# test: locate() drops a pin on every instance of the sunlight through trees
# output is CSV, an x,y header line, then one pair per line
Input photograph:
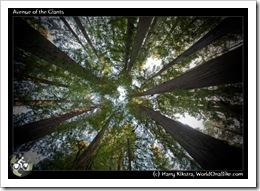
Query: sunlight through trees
x,y
108,92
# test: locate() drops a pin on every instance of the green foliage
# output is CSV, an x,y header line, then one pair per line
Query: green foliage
x,y
60,161
151,148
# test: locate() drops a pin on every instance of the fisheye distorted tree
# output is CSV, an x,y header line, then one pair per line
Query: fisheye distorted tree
x,y
118,85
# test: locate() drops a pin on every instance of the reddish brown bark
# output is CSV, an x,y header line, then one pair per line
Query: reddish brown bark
x,y
85,34
38,129
208,152
84,161
227,25
151,30
37,102
27,38
38,80
142,29
225,69
129,36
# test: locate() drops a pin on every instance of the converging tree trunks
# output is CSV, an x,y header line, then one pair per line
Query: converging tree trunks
x,y
225,69
210,153
38,129
129,93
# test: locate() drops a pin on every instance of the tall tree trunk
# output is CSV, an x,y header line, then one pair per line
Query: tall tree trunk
x,y
225,69
227,25
27,38
80,148
37,80
71,30
129,154
38,102
143,26
208,152
85,34
44,102
152,27
174,148
129,36
84,161
33,65
121,159
38,129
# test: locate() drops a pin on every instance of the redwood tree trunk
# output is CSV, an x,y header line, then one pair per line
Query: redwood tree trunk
x,y
38,102
227,25
71,30
121,159
208,152
84,161
85,34
225,69
129,154
151,30
29,39
129,36
142,29
38,129
35,79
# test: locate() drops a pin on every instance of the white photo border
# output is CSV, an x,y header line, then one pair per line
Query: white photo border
x,y
250,182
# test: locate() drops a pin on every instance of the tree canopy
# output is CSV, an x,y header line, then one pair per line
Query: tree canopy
x,y
108,92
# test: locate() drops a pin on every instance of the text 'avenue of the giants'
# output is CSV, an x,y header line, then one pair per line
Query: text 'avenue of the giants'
x,y
38,12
